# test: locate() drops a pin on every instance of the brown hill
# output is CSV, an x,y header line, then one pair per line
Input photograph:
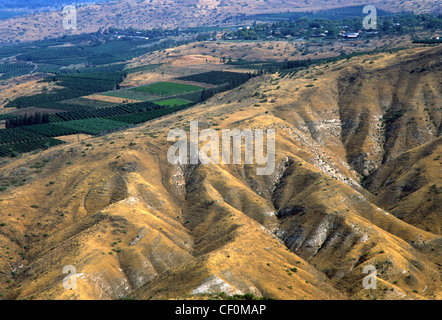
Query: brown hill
x,y
409,187
134,225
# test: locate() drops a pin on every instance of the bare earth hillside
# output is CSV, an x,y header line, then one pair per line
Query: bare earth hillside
x,y
357,182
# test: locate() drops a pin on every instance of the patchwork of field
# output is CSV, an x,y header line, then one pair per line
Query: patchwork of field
x,y
33,110
130,95
172,102
105,111
167,89
152,92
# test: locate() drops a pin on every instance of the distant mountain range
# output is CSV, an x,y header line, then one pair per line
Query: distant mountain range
x,y
168,14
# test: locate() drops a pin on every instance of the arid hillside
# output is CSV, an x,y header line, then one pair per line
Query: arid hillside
x,y
182,13
357,182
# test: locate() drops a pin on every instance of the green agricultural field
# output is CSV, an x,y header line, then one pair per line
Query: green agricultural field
x,y
93,125
172,102
90,103
50,129
134,95
14,149
167,88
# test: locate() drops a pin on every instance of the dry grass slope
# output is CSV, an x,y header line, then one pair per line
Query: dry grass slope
x,y
135,226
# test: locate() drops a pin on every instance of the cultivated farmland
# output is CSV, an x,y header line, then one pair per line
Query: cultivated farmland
x,y
167,88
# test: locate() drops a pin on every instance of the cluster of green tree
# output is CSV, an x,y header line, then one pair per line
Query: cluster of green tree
x,y
297,64
6,116
94,126
14,149
140,117
330,28
52,54
74,86
10,70
208,93
25,47
219,77
225,80
129,108
56,70
14,141
133,32
97,51
41,99
35,135
17,135
17,140
404,23
22,131
156,33
82,113
428,41
51,129
27,120
194,96
12,50
94,51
